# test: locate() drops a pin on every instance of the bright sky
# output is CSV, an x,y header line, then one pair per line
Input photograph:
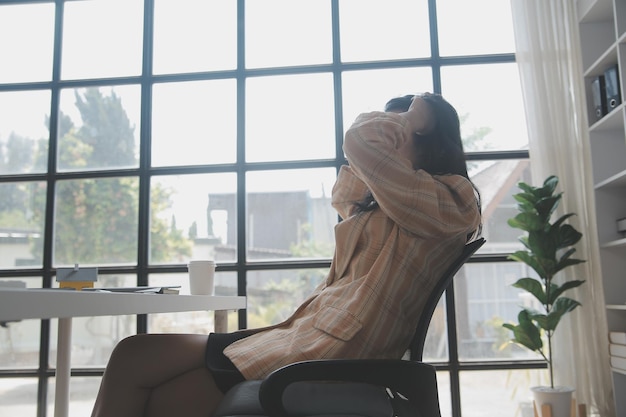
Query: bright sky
x,y
102,38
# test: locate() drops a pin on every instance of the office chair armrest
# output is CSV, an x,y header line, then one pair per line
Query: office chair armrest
x,y
415,381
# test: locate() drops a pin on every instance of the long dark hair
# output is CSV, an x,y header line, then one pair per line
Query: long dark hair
x,y
440,152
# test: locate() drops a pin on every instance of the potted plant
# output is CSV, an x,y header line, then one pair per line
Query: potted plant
x,y
548,251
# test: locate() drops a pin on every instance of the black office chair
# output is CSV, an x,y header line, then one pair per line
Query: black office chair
x,y
350,388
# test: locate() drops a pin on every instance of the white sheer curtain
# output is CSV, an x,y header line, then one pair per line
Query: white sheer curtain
x,y
548,54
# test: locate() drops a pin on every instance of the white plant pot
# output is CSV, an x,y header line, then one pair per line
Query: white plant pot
x,y
559,398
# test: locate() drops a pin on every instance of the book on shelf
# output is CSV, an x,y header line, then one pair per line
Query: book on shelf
x,y
617,350
618,363
617,337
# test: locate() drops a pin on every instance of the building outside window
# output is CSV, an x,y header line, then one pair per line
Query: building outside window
x,y
136,135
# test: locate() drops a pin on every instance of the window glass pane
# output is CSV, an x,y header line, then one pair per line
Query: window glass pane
x,y
274,295
194,123
83,395
95,221
99,128
27,33
286,33
290,117
369,31
208,31
102,38
289,214
489,101
18,397
22,223
93,338
193,217
474,27
19,340
485,298
499,393
443,388
365,91
497,182
436,344
24,131
201,322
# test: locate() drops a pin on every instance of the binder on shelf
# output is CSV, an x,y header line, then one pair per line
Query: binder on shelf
x,y
611,87
598,94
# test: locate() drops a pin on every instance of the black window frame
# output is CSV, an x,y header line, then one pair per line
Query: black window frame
x,y
144,172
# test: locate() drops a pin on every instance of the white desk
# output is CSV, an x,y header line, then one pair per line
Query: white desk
x,y
20,304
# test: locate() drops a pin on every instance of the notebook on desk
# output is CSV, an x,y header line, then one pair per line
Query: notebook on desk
x,y
171,289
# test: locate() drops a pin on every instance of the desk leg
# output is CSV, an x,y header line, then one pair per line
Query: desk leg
x,y
220,321
62,384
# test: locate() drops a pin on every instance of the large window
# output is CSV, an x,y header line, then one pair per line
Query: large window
x,y
136,135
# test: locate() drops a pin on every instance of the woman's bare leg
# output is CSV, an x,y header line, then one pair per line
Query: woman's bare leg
x,y
154,375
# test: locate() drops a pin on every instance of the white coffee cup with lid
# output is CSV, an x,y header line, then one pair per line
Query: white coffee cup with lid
x,y
201,277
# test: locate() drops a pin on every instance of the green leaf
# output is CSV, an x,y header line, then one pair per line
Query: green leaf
x,y
549,185
568,236
532,286
524,240
530,260
561,307
561,219
525,198
556,291
525,333
526,202
526,187
542,245
568,253
541,320
526,221
546,206
567,262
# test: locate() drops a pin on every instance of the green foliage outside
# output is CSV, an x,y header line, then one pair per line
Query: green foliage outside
x,y
96,219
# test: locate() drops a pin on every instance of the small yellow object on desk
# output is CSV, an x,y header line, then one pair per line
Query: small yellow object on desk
x,y
76,285
77,278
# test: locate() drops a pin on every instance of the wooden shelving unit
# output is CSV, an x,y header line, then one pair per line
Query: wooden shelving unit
x,y
602,25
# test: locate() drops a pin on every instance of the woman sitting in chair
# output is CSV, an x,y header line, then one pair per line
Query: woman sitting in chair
x,y
408,207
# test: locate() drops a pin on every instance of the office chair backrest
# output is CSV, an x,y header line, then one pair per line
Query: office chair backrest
x,y
416,347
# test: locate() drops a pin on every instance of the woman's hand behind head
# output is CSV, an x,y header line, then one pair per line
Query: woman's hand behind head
x,y
420,116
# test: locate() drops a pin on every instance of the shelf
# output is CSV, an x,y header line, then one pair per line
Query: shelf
x,y
616,181
610,121
614,243
619,371
602,25
607,59
595,11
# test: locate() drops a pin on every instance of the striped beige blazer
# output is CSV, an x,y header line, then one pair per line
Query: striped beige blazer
x,y
385,261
